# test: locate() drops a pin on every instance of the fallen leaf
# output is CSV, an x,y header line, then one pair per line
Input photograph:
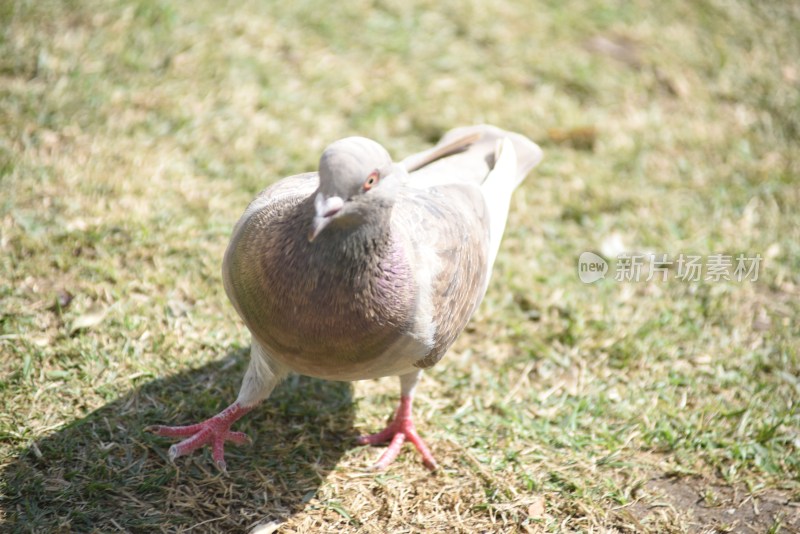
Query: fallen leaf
x,y
88,320
536,508
580,138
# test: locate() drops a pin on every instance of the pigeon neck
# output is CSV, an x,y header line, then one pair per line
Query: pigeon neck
x,y
361,251
362,236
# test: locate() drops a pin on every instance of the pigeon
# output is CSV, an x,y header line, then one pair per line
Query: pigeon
x,y
364,269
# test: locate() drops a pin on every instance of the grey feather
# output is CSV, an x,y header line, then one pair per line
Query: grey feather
x,y
338,279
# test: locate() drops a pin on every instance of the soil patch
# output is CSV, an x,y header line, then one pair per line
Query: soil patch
x,y
673,504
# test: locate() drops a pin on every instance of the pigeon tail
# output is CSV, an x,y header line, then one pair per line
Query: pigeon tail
x,y
497,190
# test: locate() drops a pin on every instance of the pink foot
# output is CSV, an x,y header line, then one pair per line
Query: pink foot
x,y
214,432
398,431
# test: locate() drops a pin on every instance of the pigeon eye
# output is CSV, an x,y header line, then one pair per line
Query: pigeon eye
x,y
371,180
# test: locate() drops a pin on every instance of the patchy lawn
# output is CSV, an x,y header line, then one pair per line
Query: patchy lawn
x,y
133,134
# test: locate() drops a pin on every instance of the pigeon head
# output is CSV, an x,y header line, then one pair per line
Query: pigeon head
x,y
356,179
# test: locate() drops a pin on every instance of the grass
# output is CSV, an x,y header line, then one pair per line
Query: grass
x,y
133,134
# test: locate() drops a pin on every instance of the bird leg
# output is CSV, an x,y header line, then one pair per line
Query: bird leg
x,y
262,375
214,432
400,429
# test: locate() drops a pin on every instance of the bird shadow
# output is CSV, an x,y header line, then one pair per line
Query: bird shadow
x,y
104,473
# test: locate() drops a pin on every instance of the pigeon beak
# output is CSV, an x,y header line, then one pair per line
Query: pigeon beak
x,y
326,209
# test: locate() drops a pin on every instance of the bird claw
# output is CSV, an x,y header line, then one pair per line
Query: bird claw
x,y
398,432
214,432
206,435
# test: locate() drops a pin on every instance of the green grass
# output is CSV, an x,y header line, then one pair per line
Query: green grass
x,y
133,134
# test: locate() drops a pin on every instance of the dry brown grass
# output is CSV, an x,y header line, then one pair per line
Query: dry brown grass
x,y
132,135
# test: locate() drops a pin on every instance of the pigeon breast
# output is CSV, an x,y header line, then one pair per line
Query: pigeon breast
x,y
325,308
